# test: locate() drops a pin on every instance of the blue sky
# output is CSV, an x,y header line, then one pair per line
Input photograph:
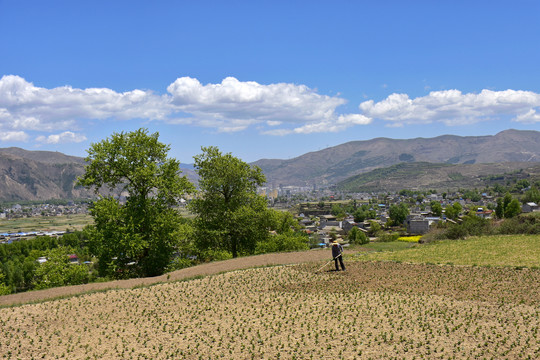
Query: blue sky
x,y
264,79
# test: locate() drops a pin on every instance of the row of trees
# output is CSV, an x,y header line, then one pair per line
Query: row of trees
x,y
142,236
145,235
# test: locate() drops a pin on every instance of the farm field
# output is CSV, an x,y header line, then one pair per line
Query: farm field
x,y
45,223
501,250
376,309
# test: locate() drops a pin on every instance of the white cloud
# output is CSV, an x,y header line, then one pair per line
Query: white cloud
x,y
453,108
250,103
340,123
14,136
529,118
63,138
27,107
231,105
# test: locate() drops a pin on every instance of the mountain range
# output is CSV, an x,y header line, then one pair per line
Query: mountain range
x,y
380,164
335,164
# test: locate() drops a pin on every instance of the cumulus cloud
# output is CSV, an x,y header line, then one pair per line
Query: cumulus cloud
x,y
229,106
529,117
250,102
15,136
336,124
233,105
65,137
27,107
452,107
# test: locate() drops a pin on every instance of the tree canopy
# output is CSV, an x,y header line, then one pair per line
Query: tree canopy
x,y
229,214
398,213
137,237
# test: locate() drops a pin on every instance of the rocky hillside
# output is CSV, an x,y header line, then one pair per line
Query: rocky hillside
x,y
335,164
39,175
44,175
442,177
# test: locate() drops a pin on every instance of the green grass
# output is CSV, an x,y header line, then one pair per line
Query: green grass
x,y
502,250
45,223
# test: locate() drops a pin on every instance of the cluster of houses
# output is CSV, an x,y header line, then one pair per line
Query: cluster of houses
x,y
8,238
18,211
418,222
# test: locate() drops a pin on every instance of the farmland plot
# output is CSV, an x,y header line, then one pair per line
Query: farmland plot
x,y
374,310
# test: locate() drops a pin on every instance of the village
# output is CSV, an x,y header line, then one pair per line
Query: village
x,y
313,207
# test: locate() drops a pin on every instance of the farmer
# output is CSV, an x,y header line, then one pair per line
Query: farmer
x,y
337,254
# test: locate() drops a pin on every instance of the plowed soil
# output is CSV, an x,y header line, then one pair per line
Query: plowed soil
x,y
200,270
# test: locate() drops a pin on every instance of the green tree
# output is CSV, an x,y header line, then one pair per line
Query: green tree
x,y
4,289
58,271
229,214
436,208
138,237
374,227
357,236
531,195
360,215
398,213
453,211
513,209
338,211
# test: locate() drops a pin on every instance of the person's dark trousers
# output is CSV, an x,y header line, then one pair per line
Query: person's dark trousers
x,y
340,258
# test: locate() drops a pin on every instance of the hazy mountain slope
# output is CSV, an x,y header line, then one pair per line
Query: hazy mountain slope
x,y
337,163
422,176
46,157
26,179
44,175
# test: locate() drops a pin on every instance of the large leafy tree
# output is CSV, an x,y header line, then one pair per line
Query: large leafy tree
x,y
230,215
398,213
138,237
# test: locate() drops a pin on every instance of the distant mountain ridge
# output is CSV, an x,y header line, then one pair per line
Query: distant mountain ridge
x,y
335,164
39,175
441,177
43,175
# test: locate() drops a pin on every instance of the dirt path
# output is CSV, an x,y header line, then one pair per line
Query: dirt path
x,y
204,269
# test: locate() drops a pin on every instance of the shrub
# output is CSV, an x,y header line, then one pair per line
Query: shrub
x,y
214,255
523,224
282,242
384,237
179,263
357,236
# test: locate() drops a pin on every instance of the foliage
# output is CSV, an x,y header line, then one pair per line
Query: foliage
x,y
453,211
374,227
140,236
522,224
282,243
18,259
388,237
357,236
338,211
58,271
513,209
472,225
4,289
531,195
179,263
507,207
229,214
398,213
436,208
363,213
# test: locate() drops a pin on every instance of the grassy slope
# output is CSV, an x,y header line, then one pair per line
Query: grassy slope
x,y
507,250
